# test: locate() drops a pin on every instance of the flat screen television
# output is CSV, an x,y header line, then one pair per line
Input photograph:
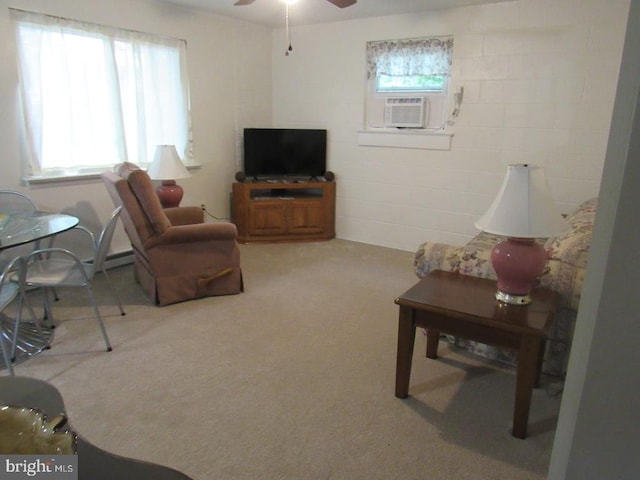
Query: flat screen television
x,y
284,153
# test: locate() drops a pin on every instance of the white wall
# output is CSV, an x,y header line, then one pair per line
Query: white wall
x,y
596,436
225,57
539,81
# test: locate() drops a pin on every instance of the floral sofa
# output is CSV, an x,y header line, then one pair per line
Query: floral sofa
x,y
564,273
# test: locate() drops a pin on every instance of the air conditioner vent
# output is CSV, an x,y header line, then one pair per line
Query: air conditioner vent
x,y
404,112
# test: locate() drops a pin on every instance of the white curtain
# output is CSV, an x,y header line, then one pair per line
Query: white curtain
x,y
419,56
93,96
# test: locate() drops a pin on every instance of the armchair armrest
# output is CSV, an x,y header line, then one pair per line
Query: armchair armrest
x,y
184,215
200,232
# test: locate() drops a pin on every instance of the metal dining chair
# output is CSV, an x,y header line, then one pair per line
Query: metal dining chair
x,y
13,202
48,268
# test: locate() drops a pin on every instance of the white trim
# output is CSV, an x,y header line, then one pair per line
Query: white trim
x,y
407,139
75,177
119,260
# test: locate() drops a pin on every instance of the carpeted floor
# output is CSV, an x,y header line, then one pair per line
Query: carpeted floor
x,y
291,380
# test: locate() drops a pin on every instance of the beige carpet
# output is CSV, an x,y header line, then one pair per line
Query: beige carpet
x,y
291,380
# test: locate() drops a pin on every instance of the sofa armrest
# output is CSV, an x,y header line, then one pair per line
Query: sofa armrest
x,y
437,256
184,215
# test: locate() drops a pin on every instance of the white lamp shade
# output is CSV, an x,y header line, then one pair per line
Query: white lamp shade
x,y
167,165
523,207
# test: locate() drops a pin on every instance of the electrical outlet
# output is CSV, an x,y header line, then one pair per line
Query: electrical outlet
x,y
204,209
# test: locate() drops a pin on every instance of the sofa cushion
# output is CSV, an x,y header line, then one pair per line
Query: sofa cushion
x,y
476,257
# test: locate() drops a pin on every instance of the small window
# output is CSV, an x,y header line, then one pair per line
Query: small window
x,y
94,96
416,69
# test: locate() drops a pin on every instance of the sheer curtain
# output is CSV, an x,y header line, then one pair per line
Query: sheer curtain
x,y
93,96
420,56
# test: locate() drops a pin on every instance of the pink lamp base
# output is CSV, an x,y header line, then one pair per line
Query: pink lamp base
x,y
518,262
169,193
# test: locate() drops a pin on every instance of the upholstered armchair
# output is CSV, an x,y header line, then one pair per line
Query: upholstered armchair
x,y
177,256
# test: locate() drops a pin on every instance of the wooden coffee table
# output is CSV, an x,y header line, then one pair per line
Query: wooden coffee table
x,y
465,306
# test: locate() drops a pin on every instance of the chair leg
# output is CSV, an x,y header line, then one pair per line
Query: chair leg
x,y
55,292
113,291
5,354
16,326
23,300
99,318
48,311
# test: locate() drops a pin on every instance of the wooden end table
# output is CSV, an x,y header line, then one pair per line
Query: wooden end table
x,y
465,306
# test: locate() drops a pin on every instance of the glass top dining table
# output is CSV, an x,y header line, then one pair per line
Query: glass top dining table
x,y
32,226
22,228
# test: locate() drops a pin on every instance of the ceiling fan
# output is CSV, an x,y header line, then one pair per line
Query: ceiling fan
x,y
337,3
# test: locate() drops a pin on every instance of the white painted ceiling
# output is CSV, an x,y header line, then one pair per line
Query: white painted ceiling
x,y
304,12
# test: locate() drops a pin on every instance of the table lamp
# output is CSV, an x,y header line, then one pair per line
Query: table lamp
x,y
522,211
167,166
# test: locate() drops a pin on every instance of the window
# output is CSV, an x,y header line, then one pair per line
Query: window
x,y
416,70
93,96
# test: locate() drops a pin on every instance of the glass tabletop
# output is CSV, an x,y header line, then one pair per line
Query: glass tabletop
x,y
25,227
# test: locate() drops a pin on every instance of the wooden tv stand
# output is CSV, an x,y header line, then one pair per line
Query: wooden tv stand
x,y
284,211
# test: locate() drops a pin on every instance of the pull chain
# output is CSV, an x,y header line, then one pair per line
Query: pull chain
x,y
288,31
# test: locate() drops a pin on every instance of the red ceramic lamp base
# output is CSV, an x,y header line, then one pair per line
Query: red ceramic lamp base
x,y
518,262
170,194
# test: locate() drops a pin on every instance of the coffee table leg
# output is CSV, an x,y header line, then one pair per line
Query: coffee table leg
x,y
540,362
526,377
406,340
433,337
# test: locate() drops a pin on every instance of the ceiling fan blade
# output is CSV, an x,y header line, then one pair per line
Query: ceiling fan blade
x,y
243,2
342,3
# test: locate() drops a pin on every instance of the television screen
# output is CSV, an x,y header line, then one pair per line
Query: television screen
x,y
284,153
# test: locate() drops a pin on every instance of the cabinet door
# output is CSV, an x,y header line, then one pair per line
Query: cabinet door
x,y
306,217
267,218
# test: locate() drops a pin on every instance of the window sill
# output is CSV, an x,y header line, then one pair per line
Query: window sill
x,y
75,177
394,138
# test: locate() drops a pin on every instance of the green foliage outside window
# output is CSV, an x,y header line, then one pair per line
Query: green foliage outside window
x,y
411,83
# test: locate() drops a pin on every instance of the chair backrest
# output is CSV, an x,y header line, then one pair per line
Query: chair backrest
x,y
16,202
104,240
11,203
142,216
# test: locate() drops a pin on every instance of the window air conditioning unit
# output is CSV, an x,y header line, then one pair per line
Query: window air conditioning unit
x,y
408,112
